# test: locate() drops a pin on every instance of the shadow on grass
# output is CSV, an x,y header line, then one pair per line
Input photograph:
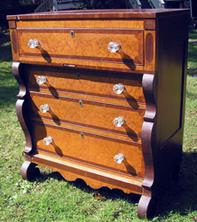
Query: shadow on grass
x,y
192,54
179,198
100,194
7,96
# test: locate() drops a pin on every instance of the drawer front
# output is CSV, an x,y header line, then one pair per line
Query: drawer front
x,y
100,84
84,47
89,148
90,113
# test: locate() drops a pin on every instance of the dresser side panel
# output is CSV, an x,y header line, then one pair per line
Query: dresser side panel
x,y
171,47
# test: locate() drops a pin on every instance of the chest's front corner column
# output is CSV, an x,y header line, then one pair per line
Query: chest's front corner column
x,y
147,202
28,169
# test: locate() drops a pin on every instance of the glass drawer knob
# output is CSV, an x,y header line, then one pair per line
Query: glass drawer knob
x,y
44,108
33,43
119,121
47,140
119,158
114,47
118,88
41,80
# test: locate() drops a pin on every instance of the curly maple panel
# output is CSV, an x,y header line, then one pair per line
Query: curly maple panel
x,y
85,46
86,23
92,147
63,81
89,112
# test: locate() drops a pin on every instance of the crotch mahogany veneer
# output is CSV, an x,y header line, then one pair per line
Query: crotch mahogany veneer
x,y
102,96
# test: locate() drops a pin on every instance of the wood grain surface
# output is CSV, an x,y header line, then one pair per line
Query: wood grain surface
x,y
88,23
88,112
90,149
100,84
102,14
86,45
95,177
81,73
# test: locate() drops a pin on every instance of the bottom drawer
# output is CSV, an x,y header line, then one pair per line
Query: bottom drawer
x,y
92,149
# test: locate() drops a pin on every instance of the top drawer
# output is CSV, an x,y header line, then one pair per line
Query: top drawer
x,y
113,48
102,45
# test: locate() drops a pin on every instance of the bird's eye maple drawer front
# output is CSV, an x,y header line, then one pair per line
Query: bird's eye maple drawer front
x,y
89,147
87,112
97,48
105,100
104,86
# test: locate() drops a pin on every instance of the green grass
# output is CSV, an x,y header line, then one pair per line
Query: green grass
x,y
192,53
50,198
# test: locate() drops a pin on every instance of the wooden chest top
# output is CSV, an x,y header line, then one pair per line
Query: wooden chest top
x,y
118,40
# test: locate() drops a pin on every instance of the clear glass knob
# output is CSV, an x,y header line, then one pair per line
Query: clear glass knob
x,y
47,140
119,121
41,80
114,47
118,88
119,158
33,43
44,108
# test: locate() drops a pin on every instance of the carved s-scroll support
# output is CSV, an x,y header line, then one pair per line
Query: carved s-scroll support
x,y
146,206
20,104
29,171
16,69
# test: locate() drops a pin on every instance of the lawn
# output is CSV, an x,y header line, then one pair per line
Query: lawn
x,y
51,198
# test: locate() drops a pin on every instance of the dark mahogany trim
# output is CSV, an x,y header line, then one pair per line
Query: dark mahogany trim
x,y
36,117
29,171
148,83
16,70
184,78
88,134
164,144
146,204
82,30
19,111
85,101
17,75
99,14
149,47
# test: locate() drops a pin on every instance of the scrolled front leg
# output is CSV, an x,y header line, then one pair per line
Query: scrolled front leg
x,y
147,205
29,171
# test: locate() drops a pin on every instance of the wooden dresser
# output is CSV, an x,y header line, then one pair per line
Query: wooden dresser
x,y
102,96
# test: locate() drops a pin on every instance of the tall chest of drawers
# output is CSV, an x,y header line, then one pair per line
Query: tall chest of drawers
x,y
102,96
